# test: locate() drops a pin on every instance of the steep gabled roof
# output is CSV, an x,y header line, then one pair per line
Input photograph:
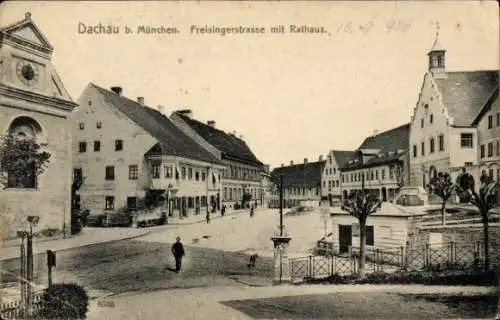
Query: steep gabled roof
x,y
304,175
343,157
375,161
231,146
393,139
465,93
171,140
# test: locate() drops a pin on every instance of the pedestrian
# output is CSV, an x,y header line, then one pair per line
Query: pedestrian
x,y
251,211
178,252
208,217
223,210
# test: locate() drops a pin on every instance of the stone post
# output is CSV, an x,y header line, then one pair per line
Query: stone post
x,y
281,262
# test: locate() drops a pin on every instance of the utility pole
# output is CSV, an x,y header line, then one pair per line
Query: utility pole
x,y
281,205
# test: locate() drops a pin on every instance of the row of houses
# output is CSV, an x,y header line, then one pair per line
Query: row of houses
x,y
455,124
134,156
129,155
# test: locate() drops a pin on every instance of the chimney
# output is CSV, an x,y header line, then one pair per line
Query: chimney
x,y
117,90
305,160
186,112
241,137
375,132
160,109
291,162
282,165
211,123
321,158
140,100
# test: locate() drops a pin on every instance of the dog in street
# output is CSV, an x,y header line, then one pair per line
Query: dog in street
x,y
252,261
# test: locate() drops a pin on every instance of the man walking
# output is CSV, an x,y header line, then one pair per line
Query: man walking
x,y
178,252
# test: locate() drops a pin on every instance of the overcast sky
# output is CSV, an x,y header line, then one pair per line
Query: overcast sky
x,y
292,96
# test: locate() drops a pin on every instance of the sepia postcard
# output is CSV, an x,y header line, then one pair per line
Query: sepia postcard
x,y
249,160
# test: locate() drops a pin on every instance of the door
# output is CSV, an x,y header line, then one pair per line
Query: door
x,y
345,238
384,194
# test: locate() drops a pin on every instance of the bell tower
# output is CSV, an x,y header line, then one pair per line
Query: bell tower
x,y
437,57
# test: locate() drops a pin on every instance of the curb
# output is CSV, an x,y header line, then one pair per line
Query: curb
x,y
88,245
204,220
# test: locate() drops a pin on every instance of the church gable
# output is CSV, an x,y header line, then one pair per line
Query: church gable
x,y
26,32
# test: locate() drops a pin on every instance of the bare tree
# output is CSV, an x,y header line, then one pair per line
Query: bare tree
x,y
361,204
485,200
442,186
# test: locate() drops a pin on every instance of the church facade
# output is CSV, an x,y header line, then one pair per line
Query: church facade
x,y
35,104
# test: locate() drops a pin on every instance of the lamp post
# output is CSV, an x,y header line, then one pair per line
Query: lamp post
x,y
281,242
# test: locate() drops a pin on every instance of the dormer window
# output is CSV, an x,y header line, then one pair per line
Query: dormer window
x,y
431,118
98,125
82,125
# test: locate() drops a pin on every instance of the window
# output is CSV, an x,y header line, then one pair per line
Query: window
x,y
490,149
330,159
324,184
131,203
133,172
190,173
391,173
155,171
110,173
203,176
490,121
441,142
168,170
482,151
466,140
98,125
97,146
490,173
118,145
422,123
383,174
197,175
468,164
370,239
422,145
110,203
82,147
414,151
432,145
376,175
81,125
498,119
77,174
183,173
498,148
431,118
334,170
329,186
498,174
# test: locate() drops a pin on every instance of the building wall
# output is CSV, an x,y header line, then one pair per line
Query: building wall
x,y
388,232
114,125
51,199
330,177
382,178
296,196
420,165
487,135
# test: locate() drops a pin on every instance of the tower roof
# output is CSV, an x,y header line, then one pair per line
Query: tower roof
x,y
437,46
